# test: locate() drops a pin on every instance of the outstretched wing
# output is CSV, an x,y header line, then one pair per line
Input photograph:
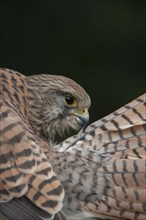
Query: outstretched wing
x,y
25,171
102,168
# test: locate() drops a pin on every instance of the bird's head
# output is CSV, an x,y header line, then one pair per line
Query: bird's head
x,y
57,104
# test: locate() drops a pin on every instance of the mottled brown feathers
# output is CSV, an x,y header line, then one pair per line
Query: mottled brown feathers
x,y
24,168
103,169
59,84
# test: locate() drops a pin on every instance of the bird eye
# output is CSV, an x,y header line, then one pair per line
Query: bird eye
x,y
70,101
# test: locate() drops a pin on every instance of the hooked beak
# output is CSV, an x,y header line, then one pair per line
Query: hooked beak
x,y
82,116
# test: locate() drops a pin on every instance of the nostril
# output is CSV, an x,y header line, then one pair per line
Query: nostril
x,y
84,111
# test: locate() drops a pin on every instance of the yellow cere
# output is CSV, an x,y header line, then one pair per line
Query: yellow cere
x,y
84,111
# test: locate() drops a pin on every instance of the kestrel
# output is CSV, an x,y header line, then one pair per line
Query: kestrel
x,y
33,110
102,168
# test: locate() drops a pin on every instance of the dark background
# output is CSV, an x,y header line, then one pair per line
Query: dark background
x,y
99,44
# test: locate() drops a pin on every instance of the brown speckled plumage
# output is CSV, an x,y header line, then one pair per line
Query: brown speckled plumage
x,y
102,168
25,124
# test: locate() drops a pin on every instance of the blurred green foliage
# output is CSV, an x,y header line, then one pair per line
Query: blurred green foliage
x,y
99,44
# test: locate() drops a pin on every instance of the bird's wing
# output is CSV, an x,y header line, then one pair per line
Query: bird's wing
x,y
103,168
24,168
23,209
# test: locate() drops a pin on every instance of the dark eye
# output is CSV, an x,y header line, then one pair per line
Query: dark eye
x,y
70,101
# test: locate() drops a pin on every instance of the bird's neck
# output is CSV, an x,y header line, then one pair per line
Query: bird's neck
x,y
35,110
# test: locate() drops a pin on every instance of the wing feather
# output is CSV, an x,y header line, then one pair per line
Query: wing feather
x,y
105,165
24,168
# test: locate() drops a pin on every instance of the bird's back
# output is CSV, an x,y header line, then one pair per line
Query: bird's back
x,y
26,176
